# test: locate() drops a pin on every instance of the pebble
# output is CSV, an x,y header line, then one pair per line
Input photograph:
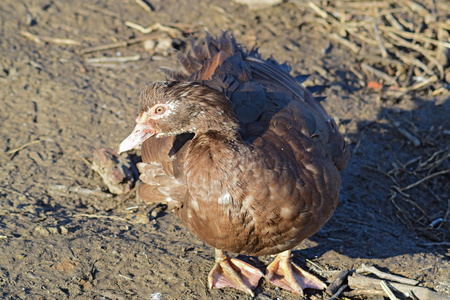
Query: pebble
x,y
149,45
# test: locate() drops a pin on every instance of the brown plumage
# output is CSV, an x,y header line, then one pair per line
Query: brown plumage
x,y
245,155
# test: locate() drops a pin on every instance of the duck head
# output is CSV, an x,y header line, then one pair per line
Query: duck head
x,y
171,108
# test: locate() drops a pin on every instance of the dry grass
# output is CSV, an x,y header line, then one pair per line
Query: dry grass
x,y
403,45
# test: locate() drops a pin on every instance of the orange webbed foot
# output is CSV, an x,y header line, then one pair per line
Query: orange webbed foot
x,y
285,274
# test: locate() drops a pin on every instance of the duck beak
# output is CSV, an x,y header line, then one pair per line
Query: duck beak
x,y
138,136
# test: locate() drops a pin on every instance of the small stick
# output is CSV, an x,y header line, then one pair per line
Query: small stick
x,y
79,190
318,10
409,136
379,73
393,21
435,244
360,292
425,179
358,143
320,270
125,277
333,288
345,42
41,39
438,91
384,53
387,290
400,41
12,151
113,59
112,66
332,20
147,7
428,164
413,61
398,189
357,281
339,292
369,269
424,83
415,36
157,26
379,59
115,218
117,45
415,7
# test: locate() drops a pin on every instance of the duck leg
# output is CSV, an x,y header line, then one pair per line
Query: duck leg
x,y
233,272
285,274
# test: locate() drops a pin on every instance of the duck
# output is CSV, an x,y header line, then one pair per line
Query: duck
x,y
244,154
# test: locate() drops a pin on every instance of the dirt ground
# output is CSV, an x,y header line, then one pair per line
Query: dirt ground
x,y
63,236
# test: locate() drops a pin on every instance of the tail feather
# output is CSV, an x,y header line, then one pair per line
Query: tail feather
x,y
189,63
174,74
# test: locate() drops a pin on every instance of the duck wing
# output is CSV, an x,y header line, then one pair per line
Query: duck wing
x,y
258,89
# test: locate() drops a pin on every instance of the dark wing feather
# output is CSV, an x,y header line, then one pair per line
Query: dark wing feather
x,y
273,77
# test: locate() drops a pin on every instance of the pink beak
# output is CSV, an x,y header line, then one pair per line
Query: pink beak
x,y
138,136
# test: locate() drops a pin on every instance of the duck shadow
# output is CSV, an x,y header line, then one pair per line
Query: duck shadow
x,y
373,219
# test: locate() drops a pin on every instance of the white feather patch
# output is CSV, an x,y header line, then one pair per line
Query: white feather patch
x,y
225,199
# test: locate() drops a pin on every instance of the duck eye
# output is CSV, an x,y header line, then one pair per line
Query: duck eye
x,y
160,110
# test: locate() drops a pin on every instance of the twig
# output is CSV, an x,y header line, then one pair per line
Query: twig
x,y
333,288
435,244
344,42
357,281
413,61
320,270
384,53
363,292
387,290
157,26
379,73
41,39
332,20
428,163
117,45
147,7
418,86
425,179
415,36
369,269
339,292
113,59
113,66
78,190
393,21
358,143
12,151
398,189
409,136
424,83
115,218
418,49
382,172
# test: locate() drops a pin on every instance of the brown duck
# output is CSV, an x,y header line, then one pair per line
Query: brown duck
x,y
244,154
